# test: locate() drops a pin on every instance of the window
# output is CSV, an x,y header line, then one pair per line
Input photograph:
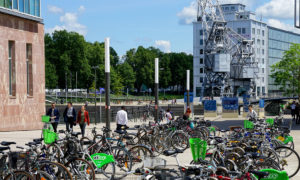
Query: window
x,y
32,6
15,4
263,70
239,31
12,68
6,3
263,42
201,51
263,90
226,8
29,73
263,61
21,5
258,32
232,8
37,8
201,61
201,32
258,51
201,41
263,33
258,91
201,70
263,51
253,30
263,79
253,39
27,6
243,30
258,41
201,80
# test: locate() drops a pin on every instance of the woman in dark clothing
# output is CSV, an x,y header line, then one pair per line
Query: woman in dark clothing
x,y
83,118
70,116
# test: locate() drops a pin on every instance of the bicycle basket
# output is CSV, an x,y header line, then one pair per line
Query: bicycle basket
x,y
270,121
49,136
45,119
198,148
248,124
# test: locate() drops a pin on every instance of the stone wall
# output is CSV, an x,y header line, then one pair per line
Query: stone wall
x,y
21,112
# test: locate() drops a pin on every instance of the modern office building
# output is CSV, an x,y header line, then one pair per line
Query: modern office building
x,y
278,41
22,65
269,44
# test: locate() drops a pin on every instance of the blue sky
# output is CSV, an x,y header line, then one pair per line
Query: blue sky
x,y
165,24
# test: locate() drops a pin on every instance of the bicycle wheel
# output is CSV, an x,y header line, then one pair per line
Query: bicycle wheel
x,y
53,153
19,175
138,154
55,170
123,161
289,160
81,169
42,175
180,140
108,170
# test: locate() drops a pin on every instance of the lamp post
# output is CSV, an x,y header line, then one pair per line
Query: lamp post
x,y
95,68
107,84
156,89
188,88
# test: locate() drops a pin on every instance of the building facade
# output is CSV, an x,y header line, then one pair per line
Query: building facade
x,y
22,65
278,41
269,44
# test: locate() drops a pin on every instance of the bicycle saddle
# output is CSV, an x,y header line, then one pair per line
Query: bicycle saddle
x,y
38,140
260,174
30,144
4,148
172,152
7,143
120,131
75,134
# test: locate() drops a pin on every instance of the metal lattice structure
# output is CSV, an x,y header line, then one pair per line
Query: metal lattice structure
x,y
227,54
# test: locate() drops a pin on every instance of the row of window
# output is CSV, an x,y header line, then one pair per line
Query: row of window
x,y
12,69
263,90
284,36
257,31
31,7
258,41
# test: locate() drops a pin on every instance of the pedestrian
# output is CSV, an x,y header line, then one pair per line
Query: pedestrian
x,y
53,112
122,119
186,115
252,115
297,111
83,118
169,116
70,116
293,110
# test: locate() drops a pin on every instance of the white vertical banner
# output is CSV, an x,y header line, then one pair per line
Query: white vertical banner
x,y
187,80
107,55
156,70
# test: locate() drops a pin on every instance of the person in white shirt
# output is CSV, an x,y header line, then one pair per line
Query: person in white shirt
x,y
168,116
293,109
121,119
252,115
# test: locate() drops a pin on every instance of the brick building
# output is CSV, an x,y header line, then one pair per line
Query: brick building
x,y
22,65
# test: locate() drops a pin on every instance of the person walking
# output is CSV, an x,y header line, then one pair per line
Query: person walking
x,y
169,116
293,110
122,119
297,111
252,115
53,112
83,118
70,116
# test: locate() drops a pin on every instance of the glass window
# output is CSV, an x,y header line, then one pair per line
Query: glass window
x,y
263,32
263,70
29,75
201,32
263,61
6,3
263,51
258,91
263,90
239,31
15,4
32,6
21,5
258,31
232,8
244,30
201,79
201,70
253,30
201,61
258,41
201,51
27,6
11,65
37,8
201,41
263,42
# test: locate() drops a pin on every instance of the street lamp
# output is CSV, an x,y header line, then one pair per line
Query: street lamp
x,y
95,68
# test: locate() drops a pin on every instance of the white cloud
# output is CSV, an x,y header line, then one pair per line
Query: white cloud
x,y
282,9
69,22
81,9
55,10
163,45
278,24
188,14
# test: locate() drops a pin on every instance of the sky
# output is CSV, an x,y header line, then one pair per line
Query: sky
x,y
165,24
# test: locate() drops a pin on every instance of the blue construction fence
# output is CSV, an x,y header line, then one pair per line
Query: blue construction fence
x,y
230,103
210,105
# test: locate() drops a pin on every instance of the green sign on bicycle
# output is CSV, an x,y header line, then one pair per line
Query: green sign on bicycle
x,y
101,159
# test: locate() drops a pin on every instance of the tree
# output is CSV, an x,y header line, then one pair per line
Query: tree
x,y
51,77
127,75
286,73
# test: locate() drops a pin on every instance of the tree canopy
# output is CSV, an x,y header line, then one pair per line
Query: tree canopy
x,y
68,53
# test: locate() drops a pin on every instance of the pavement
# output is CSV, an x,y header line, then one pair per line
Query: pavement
x,y
22,137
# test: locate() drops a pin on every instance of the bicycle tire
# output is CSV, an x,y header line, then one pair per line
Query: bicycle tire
x,y
16,175
284,161
85,167
42,175
138,153
50,167
180,140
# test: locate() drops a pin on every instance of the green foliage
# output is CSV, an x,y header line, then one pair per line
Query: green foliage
x,y
286,73
68,53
